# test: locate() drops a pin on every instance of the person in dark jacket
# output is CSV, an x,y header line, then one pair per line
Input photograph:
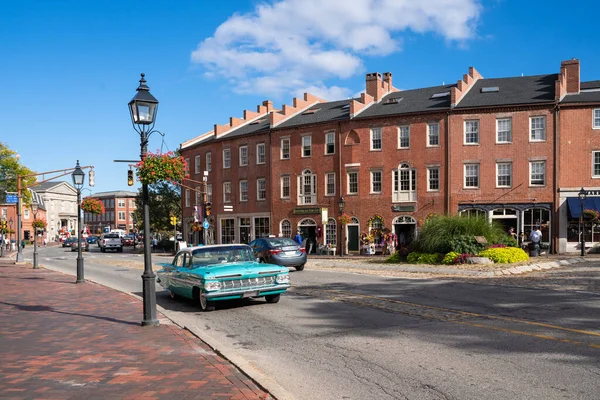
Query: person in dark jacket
x,y
298,238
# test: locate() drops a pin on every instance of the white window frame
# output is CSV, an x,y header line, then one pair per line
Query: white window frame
x,y
376,135
261,153
226,158
187,166
404,184
329,181
285,228
404,133
243,155
349,183
285,182
531,172
466,175
285,155
197,164
121,203
500,165
307,188
534,130
187,197
121,215
471,133
208,161
595,162
306,146
431,179
243,190
508,132
596,118
372,184
227,192
431,134
261,189
329,140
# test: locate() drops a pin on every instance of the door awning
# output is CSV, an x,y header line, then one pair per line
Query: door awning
x,y
591,203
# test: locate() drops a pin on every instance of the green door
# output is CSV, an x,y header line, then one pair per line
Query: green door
x,y
353,242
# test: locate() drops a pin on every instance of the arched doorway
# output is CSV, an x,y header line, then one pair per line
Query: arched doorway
x,y
308,230
352,236
405,229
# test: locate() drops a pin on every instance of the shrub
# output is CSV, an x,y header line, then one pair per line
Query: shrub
x,y
394,258
424,258
505,255
450,258
466,244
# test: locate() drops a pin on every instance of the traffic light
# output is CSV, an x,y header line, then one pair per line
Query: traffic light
x,y
3,224
173,221
207,209
130,177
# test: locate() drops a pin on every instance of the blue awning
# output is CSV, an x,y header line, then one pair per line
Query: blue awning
x,y
591,203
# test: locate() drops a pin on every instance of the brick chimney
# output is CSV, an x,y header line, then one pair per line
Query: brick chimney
x,y
374,85
463,86
572,70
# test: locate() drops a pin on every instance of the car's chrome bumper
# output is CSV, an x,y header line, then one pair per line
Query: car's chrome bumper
x,y
254,292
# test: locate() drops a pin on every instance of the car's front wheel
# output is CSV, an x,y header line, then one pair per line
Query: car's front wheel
x,y
273,298
300,267
205,305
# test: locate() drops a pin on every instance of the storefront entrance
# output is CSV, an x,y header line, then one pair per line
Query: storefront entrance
x,y
405,230
308,230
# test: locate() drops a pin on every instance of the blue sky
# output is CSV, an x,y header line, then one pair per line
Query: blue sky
x,y
68,68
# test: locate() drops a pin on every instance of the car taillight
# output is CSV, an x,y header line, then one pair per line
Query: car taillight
x,y
276,251
302,249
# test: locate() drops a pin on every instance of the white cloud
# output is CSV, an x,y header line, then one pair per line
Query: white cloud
x,y
287,45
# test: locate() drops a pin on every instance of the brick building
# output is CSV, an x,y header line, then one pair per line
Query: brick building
x,y
119,207
501,147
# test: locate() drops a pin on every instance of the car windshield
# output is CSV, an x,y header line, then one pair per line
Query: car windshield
x,y
280,242
218,255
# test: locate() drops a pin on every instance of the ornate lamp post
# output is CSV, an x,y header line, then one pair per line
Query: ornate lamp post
x,y
582,197
4,233
143,109
34,210
341,206
10,222
78,177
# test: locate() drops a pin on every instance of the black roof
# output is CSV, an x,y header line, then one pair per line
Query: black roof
x,y
260,125
585,97
511,91
323,112
590,85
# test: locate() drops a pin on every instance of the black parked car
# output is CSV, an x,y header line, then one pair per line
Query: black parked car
x,y
67,242
280,251
85,246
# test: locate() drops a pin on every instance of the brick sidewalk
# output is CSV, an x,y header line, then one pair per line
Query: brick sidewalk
x,y
62,340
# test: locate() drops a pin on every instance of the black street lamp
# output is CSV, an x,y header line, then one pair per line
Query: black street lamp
x,y
582,197
10,222
143,109
34,210
78,177
4,232
341,206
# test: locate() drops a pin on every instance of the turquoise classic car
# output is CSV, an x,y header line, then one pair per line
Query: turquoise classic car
x,y
207,274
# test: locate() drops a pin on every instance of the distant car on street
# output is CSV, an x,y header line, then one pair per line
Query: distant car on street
x,y
85,246
67,242
280,251
128,240
92,239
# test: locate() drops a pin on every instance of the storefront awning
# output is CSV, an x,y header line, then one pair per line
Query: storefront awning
x,y
591,203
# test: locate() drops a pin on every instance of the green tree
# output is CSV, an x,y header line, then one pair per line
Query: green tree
x,y
164,200
10,167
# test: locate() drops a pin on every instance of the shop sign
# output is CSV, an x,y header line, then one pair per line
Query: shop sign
x,y
304,211
403,208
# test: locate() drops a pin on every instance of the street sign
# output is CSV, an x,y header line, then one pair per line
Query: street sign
x,y
12,198
205,224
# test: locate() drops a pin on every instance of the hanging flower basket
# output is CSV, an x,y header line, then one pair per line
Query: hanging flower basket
x,y
92,205
161,167
196,227
39,223
591,215
344,219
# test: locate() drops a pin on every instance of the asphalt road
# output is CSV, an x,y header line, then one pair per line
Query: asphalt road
x,y
349,336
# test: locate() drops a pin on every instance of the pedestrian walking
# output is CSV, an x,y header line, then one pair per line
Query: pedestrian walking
x,y
298,237
45,242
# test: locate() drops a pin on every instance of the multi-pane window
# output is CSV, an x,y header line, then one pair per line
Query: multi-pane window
x,y
226,192
504,130
227,230
405,184
403,137
260,153
433,134
187,197
243,156
471,175
330,143
472,132
226,158
285,148
307,187
209,192
243,190
285,187
261,189
306,146
538,173
376,181
353,182
596,123
209,161
197,164
121,203
376,139
121,215
261,227
538,128
433,179
596,163
330,184
331,232
286,228
504,174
